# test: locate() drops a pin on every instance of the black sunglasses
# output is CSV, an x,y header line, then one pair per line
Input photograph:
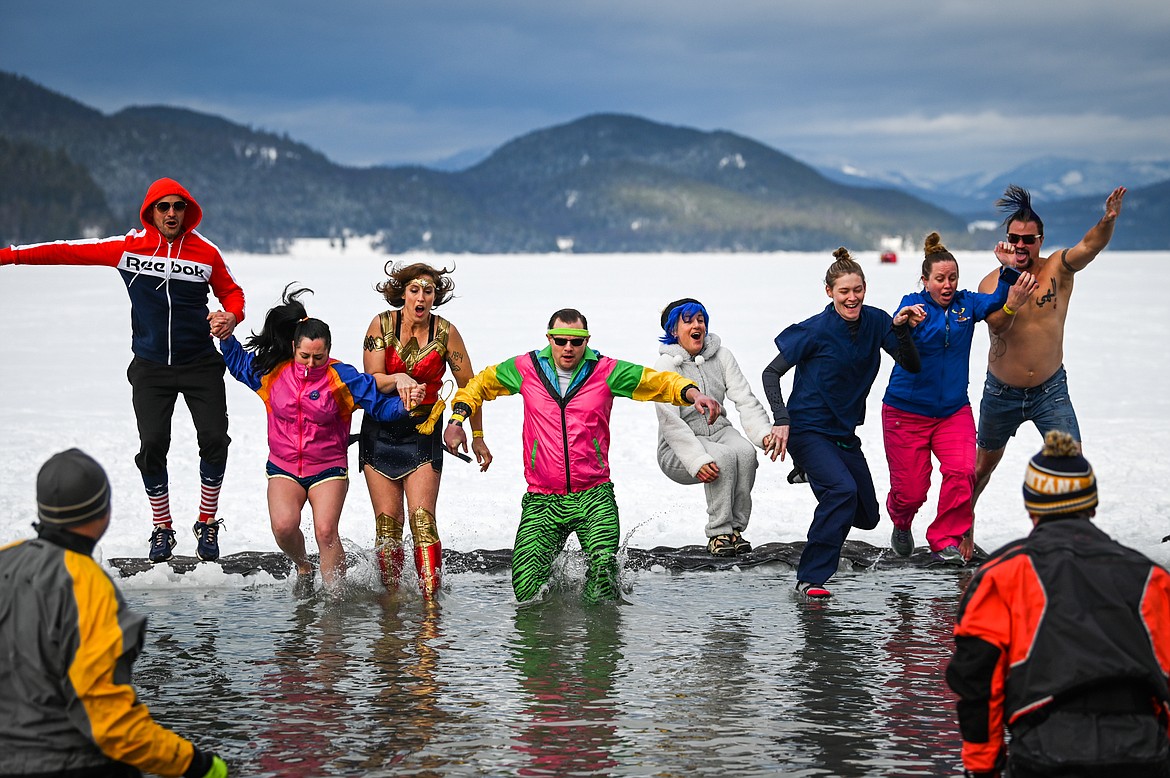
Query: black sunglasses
x,y
162,207
1027,240
577,342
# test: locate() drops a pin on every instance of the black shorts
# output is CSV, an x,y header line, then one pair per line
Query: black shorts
x,y
396,448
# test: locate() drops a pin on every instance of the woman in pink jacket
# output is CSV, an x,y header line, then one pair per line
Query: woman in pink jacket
x,y
310,399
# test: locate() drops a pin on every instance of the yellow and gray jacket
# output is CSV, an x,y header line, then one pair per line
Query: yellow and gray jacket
x,y
67,642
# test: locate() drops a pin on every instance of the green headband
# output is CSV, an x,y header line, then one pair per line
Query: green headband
x,y
570,331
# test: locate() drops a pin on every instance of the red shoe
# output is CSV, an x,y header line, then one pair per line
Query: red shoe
x,y
813,591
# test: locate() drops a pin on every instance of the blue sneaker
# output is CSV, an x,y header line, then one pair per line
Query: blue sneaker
x,y
207,533
162,540
902,542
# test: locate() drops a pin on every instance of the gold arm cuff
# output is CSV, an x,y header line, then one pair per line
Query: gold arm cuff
x,y
375,343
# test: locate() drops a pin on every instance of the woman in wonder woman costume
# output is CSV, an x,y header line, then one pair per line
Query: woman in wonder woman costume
x,y
403,460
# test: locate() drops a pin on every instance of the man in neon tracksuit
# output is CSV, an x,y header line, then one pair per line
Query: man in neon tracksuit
x,y
1064,638
568,390
68,642
168,269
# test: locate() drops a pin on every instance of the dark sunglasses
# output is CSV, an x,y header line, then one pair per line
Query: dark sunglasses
x,y
577,342
162,207
1027,240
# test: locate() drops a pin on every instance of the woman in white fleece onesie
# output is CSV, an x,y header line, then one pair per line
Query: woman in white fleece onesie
x,y
690,450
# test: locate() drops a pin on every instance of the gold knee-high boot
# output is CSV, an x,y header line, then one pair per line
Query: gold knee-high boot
x,y
388,548
428,551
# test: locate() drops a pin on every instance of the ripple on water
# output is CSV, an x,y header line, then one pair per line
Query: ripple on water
x,y
698,673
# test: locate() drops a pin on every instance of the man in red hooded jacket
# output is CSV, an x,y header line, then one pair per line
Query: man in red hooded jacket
x,y
168,269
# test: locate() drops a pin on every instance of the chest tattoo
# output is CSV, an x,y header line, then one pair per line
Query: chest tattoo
x,y
1049,296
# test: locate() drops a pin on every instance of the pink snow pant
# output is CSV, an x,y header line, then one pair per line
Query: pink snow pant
x,y
910,439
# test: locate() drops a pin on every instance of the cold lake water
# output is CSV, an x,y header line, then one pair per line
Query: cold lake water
x,y
699,673
702,673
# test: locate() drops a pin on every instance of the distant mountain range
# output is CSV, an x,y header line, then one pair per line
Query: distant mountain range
x,y
1049,179
603,183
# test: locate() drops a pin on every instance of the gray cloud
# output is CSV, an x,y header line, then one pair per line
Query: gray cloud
x,y
933,89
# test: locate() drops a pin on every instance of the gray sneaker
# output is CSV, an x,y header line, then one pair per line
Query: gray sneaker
x,y
902,542
949,556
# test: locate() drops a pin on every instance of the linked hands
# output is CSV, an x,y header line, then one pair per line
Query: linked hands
x,y
914,314
222,324
410,391
776,443
708,472
706,406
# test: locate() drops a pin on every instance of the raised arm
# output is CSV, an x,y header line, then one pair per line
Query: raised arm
x,y
1097,238
105,252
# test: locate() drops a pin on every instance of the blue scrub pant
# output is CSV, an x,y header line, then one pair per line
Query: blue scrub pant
x,y
840,479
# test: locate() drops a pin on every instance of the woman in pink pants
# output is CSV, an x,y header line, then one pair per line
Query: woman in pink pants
x,y
928,413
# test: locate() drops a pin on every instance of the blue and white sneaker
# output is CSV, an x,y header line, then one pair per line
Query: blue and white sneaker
x,y
207,534
162,541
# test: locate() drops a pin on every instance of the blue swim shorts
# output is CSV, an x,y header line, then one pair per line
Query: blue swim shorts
x,y
1004,408
307,482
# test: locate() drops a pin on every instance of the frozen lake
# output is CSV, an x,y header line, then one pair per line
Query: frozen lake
x,y
68,336
700,673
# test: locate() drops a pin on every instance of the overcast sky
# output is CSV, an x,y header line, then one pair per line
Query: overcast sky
x,y
932,89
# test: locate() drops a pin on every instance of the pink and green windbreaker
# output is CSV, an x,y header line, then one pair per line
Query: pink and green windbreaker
x,y
566,439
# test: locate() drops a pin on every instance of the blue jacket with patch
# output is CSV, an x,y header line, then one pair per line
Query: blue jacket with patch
x,y
944,345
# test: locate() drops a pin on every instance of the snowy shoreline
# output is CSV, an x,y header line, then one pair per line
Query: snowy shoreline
x,y
69,335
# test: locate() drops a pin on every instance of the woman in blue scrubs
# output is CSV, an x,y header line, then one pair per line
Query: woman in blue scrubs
x,y
836,355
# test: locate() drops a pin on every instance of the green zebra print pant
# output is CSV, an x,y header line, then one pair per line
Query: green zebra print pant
x,y
547,520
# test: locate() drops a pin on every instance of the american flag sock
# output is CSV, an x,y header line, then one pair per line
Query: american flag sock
x,y
159,496
210,482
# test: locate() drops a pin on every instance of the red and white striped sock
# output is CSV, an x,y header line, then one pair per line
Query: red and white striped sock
x,y
209,500
160,507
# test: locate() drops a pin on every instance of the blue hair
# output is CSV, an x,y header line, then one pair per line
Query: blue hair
x,y
686,312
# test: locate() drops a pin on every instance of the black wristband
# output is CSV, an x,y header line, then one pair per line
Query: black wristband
x,y
200,764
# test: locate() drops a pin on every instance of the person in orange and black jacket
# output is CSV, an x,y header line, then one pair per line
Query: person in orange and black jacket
x,y
67,642
169,270
1064,639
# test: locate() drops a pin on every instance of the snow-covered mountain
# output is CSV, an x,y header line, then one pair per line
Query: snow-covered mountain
x,y
1049,179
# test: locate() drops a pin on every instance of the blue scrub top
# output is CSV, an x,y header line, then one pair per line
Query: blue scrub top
x,y
834,370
